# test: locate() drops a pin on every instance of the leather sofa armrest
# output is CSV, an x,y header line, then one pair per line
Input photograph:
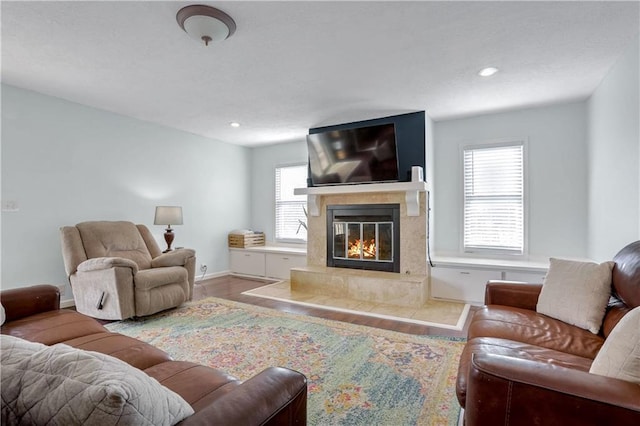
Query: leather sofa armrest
x,y
23,302
99,263
276,396
516,295
508,390
176,257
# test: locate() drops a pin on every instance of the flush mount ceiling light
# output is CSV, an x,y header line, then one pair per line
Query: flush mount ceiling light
x,y
487,72
205,23
234,124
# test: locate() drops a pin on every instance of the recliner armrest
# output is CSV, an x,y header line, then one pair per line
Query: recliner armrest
x,y
23,302
176,257
99,263
516,295
275,396
508,390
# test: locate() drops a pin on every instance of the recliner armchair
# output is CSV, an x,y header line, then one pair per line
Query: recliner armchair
x,y
117,271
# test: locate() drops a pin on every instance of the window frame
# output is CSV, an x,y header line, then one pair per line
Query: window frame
x,y
492,252
275,206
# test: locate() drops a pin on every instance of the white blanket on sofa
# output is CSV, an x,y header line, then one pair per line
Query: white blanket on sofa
x,y
66,386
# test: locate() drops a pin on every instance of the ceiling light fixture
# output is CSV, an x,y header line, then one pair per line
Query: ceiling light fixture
x,y
205,23
234,124
487,72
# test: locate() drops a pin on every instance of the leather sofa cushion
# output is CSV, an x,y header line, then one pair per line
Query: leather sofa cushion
x,y
526,326
132,351
197,384
504,347
63,385
53,327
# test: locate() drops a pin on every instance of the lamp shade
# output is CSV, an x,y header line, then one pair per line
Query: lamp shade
x,y
168,215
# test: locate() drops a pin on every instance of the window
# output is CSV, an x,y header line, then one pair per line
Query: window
x,y
494,198
291,218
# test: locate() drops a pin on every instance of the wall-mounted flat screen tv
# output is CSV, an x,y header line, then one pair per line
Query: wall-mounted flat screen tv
x,y
350,156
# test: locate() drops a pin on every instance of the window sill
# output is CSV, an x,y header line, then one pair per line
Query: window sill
x,y
537,263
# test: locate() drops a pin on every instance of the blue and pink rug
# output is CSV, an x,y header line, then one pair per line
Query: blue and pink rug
x,y
357,375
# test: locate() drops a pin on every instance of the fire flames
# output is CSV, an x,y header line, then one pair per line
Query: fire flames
x,y
368,249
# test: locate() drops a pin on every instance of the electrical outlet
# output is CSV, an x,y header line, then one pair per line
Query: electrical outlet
x,y
10,206
203,268
63,289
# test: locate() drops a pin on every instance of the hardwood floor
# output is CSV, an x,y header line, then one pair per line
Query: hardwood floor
x,y
231,287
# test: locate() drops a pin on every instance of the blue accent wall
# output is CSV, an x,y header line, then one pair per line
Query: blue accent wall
x,y
410,138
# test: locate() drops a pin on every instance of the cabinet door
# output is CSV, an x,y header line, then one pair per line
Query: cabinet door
x,y
279,265
466,285
533,277
244,262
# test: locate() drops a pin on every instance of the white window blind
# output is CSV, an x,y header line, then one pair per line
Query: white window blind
x,y
494,198
291,219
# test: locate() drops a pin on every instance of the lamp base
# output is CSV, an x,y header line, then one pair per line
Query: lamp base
x,y
168,237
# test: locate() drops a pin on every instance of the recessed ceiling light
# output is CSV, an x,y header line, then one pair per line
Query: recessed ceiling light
x,y
234,124
487,72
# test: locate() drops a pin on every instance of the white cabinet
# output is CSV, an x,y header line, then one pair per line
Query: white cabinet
x,y
266,261
462,284
534,277
465,279
279,265
247,262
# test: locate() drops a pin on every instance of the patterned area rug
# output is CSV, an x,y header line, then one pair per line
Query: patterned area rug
x,y
357,375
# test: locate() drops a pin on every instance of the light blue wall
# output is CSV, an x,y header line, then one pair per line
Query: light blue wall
x,y
557,175
614,158
264,160
65,163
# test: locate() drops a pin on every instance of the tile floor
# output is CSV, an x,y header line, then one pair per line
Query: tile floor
x,y
443,314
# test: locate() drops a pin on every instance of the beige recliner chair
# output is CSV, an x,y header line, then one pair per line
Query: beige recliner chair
x,y
117,271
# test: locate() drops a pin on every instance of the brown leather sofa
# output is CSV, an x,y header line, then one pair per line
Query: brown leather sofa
x,y
524,368
276,396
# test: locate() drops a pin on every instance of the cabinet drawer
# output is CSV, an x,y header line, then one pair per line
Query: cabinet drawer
x,y
461,284
279,265
525,276
243,262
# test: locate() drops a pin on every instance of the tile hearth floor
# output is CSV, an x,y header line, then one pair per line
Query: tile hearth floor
x,y
448,315
234,287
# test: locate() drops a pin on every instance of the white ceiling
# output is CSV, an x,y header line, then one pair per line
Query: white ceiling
x,y
295,65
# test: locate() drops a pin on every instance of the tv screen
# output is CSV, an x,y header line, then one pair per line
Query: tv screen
x,y
358,155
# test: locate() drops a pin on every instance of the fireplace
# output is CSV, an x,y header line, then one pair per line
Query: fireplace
x,y
364,236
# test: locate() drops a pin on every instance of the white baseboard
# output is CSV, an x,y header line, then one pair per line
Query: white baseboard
x,y
256,277
68,303
212,275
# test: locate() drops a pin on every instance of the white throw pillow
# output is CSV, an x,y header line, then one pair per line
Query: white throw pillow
x,y
576,292
619,357
67,386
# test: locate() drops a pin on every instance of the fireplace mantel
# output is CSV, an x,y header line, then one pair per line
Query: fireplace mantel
x,y
412,191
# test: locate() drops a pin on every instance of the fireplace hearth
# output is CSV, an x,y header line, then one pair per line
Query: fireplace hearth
x,y
364,236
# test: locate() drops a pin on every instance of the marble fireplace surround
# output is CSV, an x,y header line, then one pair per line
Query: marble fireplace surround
x,y
408,288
